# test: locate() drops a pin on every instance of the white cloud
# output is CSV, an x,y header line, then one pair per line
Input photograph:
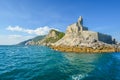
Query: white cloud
x,y
17,28
38,31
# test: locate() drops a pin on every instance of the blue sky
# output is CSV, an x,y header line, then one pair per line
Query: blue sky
x,y
24,19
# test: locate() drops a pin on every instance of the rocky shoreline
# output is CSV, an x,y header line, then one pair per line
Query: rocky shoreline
x,y
101,49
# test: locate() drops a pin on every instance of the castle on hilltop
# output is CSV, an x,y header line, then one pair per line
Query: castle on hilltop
x,y
86,34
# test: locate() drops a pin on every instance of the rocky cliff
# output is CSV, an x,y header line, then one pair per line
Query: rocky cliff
x,y
79,39
52,37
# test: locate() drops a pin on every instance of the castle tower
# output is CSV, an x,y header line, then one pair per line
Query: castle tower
x,y
80,23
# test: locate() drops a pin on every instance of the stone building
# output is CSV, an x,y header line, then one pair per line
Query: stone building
x,y
86,34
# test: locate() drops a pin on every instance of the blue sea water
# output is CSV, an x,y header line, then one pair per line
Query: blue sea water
x,y
43,63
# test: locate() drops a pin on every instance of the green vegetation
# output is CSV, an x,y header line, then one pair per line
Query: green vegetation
x,y
38,38
59,35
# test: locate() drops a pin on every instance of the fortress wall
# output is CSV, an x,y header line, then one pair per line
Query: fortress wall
x,y
105,38
90,34
97,36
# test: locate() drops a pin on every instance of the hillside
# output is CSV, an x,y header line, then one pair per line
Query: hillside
x,y
52,37
31,41
24,42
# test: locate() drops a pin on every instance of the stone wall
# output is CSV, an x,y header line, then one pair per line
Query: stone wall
x,y
90,35
105,38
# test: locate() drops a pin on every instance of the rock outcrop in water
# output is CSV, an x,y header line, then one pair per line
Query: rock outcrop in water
x,y
79,39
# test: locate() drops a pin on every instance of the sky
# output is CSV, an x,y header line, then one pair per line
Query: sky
x,y
24,19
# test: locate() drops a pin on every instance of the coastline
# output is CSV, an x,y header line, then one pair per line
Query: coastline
x,y
101,49
77,38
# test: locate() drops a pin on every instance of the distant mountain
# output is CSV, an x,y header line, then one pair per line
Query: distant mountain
x,y
24,42
33,40
52,37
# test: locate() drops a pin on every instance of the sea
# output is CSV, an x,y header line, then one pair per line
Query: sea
x,y
43,63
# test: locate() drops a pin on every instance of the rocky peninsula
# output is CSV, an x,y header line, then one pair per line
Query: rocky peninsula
x,y
77,38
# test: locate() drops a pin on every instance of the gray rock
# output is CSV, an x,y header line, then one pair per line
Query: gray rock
x,y
78,35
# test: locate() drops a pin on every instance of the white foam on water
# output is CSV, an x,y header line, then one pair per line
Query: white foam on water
x,y
78,76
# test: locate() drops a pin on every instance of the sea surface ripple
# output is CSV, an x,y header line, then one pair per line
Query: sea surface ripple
x,y
43,63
